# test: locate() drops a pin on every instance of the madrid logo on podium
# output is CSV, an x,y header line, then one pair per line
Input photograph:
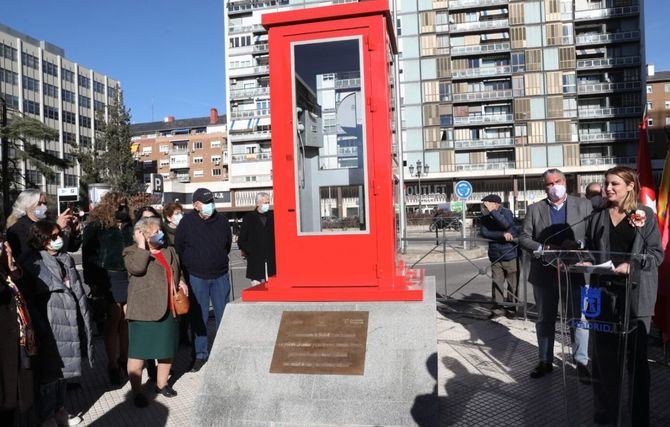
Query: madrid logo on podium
x,y
590,302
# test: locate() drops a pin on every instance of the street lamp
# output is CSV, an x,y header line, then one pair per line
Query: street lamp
x,y
420,171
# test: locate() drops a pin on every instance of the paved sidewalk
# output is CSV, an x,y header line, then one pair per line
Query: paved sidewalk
x,y
483,380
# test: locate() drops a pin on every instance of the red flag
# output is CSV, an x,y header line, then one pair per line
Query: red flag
x,y
647,193
662,309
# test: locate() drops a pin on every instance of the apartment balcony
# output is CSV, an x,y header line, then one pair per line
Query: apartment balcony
x,y
467,144
606,38
249,136
179,150
599,137
607,12
249,71
249,93
179,161
607,112
594,88
251,28
249,114
466,27
594,64
244,6
251,157
597,161
182,177
467,4
347,80
251,179
483,119
485,166
469,73
479,49
259,49
491,95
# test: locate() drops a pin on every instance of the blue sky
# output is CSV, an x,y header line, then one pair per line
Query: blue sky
x,y
169,53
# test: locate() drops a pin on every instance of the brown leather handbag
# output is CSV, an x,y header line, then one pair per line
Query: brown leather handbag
x,y
180,303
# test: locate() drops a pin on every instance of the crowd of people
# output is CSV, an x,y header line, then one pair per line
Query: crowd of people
x,y
136,263
612,225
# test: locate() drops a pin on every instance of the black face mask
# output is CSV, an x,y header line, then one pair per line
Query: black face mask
x,y
122,214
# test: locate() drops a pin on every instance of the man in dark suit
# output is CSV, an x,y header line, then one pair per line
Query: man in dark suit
x,y
257,241
553,223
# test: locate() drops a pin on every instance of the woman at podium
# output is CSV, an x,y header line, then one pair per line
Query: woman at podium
x,y
628,228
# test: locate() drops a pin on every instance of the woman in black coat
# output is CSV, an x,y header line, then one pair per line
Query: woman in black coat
x,y
257,241
17,344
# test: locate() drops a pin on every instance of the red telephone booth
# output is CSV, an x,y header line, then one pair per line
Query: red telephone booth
x,y
333,161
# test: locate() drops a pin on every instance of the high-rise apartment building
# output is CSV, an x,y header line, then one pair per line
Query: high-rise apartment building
x,y
38,81
658,108
493,91
188,153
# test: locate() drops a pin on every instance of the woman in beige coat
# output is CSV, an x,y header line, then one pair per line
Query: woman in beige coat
x,y
153,329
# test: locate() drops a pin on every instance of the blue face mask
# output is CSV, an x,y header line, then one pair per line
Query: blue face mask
x,y
57,244
157,239
40,212
265,207
207,209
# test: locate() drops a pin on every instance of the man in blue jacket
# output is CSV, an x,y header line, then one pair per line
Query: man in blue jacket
x,y
498,225
203,240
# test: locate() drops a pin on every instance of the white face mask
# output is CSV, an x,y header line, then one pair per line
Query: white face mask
x,y
40,212
556,192
176,218
56,245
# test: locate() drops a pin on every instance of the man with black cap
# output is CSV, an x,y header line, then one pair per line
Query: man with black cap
x,y
203,240
498,226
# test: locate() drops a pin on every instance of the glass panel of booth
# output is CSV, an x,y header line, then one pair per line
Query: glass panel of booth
x,y
330,142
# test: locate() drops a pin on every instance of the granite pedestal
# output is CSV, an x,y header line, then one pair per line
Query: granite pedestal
x,y
398,387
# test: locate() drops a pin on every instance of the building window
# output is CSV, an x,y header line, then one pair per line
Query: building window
x,y
68,96
164,148
85,141
98,87
198,174
50,90
69,117
667,87
8,52
31,84
216,160
667,121
9,77
518,62
67,75
197,160
650,122
667,105
31,107
98,106
111,92
84,121
30,61
84,101
649,89
164,163
49,68
84,81
51,112
649,106
216,172
197,145
215,144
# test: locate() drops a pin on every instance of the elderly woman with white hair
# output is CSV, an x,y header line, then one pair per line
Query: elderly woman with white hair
x,y
31,206
153,329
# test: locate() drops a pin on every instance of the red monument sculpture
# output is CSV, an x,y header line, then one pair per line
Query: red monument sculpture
x,y
333,161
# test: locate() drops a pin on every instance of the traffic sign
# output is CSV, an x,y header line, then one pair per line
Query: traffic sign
x,y
463,189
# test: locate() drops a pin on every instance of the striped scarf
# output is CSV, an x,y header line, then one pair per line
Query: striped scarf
x,y
26,336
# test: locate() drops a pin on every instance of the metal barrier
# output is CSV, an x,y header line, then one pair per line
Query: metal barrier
x,y
520,301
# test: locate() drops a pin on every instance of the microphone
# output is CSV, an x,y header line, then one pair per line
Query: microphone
x,y
581,244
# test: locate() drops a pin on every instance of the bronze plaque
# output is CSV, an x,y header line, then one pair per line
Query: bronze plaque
x,y
321,342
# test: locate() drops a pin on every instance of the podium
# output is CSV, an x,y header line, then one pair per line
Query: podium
x,y
595,299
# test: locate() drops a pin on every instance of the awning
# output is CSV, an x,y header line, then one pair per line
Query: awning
x,y
263,121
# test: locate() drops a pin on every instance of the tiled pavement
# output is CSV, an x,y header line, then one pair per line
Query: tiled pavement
x,y
482,380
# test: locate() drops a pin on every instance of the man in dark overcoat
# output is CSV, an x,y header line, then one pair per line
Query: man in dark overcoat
x,y
257,241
